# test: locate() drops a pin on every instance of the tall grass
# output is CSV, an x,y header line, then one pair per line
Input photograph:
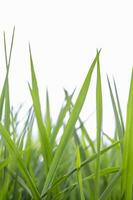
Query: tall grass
x,y
75,167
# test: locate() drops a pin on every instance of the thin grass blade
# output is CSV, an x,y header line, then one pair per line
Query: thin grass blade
x,y
99,112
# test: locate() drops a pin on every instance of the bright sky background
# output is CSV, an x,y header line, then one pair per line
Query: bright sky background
x,y
64,36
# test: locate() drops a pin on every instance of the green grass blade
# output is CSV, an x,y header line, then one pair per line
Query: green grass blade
x,y
44,140
82,127
103,172
127,180
2,97
48,115
15,153
110,187
4,163
99,126
117,120
60,119
69,127
7,96
79,176
119,107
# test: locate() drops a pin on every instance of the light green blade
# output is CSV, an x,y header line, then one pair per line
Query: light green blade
x,y
117,120
79,175
82,127
44,139
7,95
119,107
99,112
127,180
6,85
48,115
69,128
60,119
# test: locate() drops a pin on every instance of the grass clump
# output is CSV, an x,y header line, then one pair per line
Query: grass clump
x,y
75,167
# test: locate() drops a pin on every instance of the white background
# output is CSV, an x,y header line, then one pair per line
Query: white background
x,y
64,36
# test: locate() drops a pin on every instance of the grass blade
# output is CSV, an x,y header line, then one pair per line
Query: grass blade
x,y
119,107
110,187
117,120
44,140
48,116
79,176
60,119
69,127
99,126
127,181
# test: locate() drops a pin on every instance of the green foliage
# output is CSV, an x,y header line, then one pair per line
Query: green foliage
x,y
74,167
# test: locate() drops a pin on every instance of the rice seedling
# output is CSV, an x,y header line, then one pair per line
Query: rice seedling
x,y
76,166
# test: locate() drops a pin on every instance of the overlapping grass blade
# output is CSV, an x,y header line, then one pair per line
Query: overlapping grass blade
x,y
61,117
6,84
15,153
7,95
82,127
103,172
117,120
110,187
119,107
89,160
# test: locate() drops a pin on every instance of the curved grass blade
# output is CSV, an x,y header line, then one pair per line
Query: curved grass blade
x,y
69,128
